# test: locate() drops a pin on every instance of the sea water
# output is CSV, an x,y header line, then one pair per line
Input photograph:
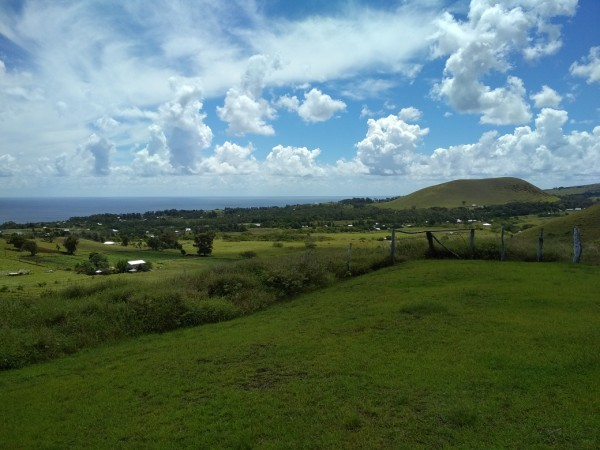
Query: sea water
x,y
55,209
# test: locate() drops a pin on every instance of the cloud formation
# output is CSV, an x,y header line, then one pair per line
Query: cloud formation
x,y
388,148
294,162
544,151
589,68
100,149
316,107
483,44
245,110
178,135
546,98
230,159
134,91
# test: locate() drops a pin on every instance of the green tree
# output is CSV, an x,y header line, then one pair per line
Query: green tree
x,y
153,242
99,260
168,239
30,246
70,243
17,240
204,242
96,261
121,266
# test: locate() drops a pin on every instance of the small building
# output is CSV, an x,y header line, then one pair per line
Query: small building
x,y
133,266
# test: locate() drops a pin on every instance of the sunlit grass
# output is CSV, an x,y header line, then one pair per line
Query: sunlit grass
x,y
427,354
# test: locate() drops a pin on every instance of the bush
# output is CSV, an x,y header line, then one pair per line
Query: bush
x,y
209,311
157,311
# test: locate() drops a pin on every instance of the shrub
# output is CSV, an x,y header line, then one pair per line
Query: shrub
x,y
121,266
248,254
157,311
209,311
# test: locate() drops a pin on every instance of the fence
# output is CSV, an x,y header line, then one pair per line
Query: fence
x,y
433,242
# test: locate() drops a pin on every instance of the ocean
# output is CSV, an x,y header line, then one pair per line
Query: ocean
x,y
55,209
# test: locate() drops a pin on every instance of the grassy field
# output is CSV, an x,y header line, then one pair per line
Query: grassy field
x,y
426,354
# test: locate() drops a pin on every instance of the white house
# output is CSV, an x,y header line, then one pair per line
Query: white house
x,y
133,266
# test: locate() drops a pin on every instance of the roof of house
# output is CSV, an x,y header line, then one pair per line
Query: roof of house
x,y
136,262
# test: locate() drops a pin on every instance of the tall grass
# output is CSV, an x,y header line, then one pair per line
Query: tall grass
x,y
63,322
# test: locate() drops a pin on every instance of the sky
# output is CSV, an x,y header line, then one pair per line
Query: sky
x,y
295,97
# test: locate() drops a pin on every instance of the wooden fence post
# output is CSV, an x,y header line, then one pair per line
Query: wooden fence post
x,y
577,248
393,247
472,242
503,247
430,242
540,245
348,258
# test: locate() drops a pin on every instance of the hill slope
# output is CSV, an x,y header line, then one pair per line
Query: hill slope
x,y
454,194
429,354
588,222
588,190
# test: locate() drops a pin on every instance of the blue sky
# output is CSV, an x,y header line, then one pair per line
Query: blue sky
x,y
278,97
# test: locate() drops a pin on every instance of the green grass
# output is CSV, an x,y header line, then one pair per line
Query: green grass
x,y
587,220
454,194
574,190
427,354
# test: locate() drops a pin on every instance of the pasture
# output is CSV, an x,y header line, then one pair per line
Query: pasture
x,y
425,354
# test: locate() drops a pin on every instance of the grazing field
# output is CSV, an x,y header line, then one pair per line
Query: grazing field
x,y
425,354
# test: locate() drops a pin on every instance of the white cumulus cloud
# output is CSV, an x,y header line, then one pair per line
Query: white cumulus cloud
x,y
293,162
484,43
588,68
154,159
388,148
245,110
546,98
544,152
101,150
182,123
316,107
230,159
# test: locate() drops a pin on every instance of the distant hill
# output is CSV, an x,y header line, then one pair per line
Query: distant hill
x,y
587,220
490,191
588,190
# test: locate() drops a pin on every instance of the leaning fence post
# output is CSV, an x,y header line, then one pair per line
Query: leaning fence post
x,y
472,242
348,258
503,247
393,247
540,245
577,249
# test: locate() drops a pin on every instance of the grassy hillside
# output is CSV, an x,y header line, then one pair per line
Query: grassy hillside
x,y
428,354
588,222
491,191
591,190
